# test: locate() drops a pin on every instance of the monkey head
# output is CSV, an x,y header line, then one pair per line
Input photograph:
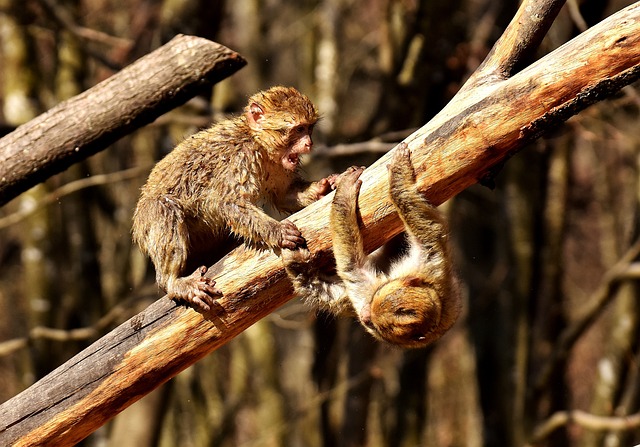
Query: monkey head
x,y
281,120
404,312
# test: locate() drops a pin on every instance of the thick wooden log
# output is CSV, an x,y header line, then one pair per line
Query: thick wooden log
x,y
87,123
481,127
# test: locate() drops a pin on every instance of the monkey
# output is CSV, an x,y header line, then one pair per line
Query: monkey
x,y
206,194
410,302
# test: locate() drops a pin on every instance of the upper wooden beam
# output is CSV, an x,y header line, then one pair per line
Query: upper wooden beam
x,y
91,121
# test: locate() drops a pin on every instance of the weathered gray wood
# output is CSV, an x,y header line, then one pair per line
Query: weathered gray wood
x,y
482,126
87,123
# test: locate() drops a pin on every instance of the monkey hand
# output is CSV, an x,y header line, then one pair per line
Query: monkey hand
x,y
296,261
329,183
325,186
196,289
290,236
334,178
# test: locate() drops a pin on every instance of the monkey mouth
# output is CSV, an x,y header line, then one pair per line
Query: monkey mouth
x,y
291,161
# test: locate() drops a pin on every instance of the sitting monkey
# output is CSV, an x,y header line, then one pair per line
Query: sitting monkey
x,y
410,302
207,194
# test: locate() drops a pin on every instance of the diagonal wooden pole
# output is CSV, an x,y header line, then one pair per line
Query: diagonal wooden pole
x,y
482,126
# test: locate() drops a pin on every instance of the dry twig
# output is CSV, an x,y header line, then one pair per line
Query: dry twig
x,y
584,419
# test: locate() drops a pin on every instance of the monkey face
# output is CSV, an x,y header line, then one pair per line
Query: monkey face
x,y
404,314
300,143
281,120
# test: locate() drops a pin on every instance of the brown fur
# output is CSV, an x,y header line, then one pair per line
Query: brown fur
x,y
411,302
206,194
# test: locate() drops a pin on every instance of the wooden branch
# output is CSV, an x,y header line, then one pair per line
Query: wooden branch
x,y
479,128
87,123
518,43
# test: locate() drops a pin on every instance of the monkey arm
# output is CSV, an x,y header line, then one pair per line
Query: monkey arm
x,y
303,193
425,226
324,291
250,222
348,247
423,222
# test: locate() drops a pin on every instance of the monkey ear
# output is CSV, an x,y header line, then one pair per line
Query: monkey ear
x,y
255,115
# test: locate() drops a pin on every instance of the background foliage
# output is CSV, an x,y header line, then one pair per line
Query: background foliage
x,y
547,258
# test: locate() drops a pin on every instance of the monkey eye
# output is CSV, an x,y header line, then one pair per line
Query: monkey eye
x,y
369,324
299,129
404,312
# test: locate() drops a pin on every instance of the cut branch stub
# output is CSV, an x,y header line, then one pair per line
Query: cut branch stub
x,y
89,122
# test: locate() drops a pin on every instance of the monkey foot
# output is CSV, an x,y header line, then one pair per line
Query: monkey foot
x,y
348,184
401,162
196,289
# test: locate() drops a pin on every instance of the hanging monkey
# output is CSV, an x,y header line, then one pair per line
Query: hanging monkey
x,y
410,302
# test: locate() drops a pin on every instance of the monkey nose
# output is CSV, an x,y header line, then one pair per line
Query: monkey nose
x,y
365,316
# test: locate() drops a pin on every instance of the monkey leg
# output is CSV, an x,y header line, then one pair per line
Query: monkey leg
x,y
422,220
348,247
168,246
352,264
